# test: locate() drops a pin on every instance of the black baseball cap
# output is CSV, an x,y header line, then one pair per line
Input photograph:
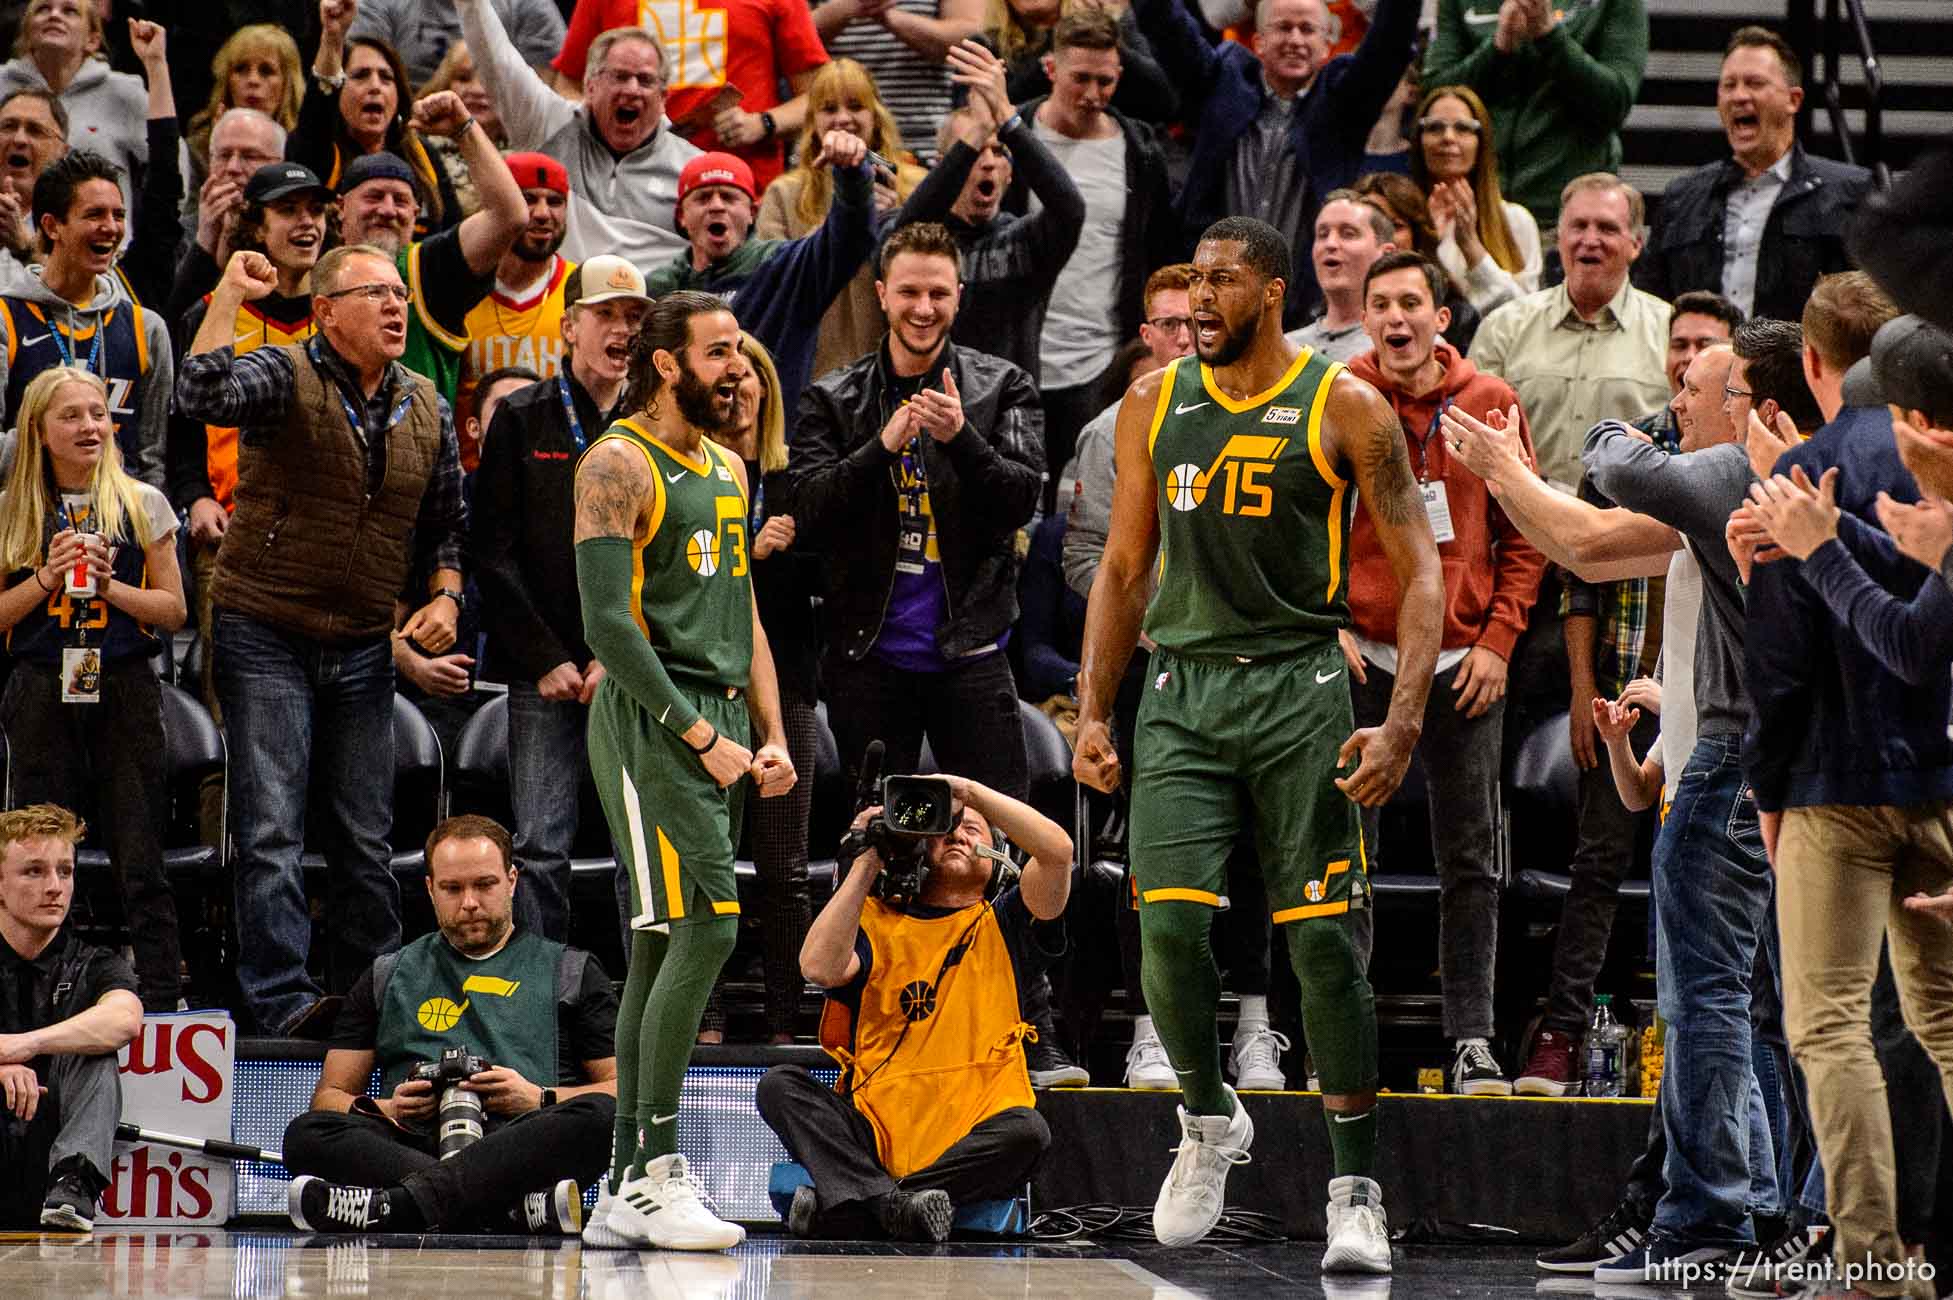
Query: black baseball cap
x,y
380,166
1911,367
281,180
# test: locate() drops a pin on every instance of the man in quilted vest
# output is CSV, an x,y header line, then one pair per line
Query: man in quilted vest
x,y
348,481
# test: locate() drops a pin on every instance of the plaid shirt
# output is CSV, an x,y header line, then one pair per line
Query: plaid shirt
x,y
1621,607
254,391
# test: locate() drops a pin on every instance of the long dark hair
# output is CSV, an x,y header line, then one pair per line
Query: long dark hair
x,y
402,140
667,327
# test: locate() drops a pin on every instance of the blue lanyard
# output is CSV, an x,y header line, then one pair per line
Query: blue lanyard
x,y
759,500
569,410
1424,443
353,418
94,347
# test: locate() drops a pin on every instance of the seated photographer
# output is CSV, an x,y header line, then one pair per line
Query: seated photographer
x,y
498,1075
922,970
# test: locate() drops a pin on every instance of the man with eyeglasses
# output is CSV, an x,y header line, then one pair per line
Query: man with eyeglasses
x,y
348,480
622,153
242,141
1279,123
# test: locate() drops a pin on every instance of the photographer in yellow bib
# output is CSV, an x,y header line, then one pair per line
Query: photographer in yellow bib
x,y
934,1107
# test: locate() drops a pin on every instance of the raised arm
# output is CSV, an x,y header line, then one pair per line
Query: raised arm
x,y
1117,603
932,37
492,230
1046,882
1366,441
531,112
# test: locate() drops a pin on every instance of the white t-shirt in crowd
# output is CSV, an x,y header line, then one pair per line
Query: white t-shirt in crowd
x,y
1081,329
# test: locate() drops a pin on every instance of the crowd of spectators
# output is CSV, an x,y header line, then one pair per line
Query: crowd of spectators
x,y
953,234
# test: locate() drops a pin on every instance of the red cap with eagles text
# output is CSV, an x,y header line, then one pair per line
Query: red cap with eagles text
x,y
716,169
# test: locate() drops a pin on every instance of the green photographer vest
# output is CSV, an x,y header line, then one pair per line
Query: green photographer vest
x,y
502,1009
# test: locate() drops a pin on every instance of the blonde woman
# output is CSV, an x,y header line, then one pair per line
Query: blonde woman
x,y
257,68
1489,245
843,97
782,589
89,555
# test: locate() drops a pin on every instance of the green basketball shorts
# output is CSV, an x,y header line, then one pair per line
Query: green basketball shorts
x,y
1223,746
675,830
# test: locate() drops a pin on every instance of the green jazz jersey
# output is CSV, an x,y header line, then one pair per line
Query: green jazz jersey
x,y
690,574
1254,520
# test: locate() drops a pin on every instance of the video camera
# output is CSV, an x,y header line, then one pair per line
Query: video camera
x,y
914,810
460,1118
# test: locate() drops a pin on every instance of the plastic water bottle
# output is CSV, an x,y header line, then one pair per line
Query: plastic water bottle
x,y
1606,1050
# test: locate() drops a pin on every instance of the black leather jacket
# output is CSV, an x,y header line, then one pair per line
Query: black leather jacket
x,y
983,486
1803,238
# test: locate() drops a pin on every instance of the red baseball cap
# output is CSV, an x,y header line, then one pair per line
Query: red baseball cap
x,y
716,169
538,171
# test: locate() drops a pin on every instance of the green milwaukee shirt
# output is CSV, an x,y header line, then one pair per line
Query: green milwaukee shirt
x,y
1254,521
690,572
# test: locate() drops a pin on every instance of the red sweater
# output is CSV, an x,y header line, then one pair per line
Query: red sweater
x,y
1491,573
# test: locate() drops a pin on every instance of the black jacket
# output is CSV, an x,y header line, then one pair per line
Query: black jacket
x,y
1151,236
1803,238
1010,262
522,528
983,485
1904,236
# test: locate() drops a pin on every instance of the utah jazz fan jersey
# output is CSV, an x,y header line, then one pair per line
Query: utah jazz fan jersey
x,y
1253,518
689,568
113,346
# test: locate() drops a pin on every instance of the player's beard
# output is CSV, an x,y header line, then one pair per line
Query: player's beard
x,y
1233,343
698,404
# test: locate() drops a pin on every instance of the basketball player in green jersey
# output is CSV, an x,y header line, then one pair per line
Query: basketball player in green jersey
x,y
1237,466
662,566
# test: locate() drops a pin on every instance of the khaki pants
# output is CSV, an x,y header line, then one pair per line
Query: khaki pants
x,y
1842,876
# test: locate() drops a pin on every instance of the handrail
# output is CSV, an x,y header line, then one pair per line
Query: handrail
x,y
1833,96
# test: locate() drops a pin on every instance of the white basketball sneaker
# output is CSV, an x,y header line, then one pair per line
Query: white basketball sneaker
x,y
664,1209
1359,1234
597,1233
1255,1059
1193,1194
1147,1067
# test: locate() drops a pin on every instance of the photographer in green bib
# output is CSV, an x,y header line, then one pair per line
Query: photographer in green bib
x,y
498,1078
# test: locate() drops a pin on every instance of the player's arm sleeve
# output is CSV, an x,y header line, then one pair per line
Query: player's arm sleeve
x,y
603,579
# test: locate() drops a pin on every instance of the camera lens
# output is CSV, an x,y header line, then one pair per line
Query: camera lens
x,y
460,1120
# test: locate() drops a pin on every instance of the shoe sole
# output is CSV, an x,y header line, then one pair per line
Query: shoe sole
x,y
1535,1086
1263,1083
569,1210
295,1202
1073,1078
938,1213
65,1219
1152,1085
1354,1264
1585,1266
1485,1088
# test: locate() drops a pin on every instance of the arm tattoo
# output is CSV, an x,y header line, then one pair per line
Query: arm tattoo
x,y
610,494
1383,459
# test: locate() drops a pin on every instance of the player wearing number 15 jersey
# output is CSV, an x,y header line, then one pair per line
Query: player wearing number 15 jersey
x,y
1238,466
662,567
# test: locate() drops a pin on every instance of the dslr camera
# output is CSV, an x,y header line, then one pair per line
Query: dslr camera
x,y
914,810
460,1117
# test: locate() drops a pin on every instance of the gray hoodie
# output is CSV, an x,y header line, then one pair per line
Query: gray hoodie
x,y
108,113
152,417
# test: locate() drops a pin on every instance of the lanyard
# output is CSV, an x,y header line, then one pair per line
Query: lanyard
x,y
94,347
569,410
759,500
1424,443
352,412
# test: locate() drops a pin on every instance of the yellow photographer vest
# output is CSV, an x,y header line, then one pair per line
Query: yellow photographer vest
x,y
962,1057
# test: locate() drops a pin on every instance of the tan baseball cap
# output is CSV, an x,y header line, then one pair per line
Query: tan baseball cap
x,y
601,279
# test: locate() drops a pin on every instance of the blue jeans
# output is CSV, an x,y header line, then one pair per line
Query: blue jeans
x,y
547,762
301,716
1712,892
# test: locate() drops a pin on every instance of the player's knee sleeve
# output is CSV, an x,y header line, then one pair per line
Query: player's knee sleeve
x,y
1338,1009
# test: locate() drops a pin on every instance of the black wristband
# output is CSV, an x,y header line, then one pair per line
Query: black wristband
x,y
706,748
767,125
42,585
548,1097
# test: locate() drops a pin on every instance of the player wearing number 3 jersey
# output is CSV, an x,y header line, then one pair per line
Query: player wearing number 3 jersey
x,y
1239,466
662,568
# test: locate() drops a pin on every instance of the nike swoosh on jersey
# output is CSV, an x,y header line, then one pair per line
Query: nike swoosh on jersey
x,y
38,338
673,478
1183,408
1320,678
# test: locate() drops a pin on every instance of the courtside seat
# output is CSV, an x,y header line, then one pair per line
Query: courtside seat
x,y
1545,796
